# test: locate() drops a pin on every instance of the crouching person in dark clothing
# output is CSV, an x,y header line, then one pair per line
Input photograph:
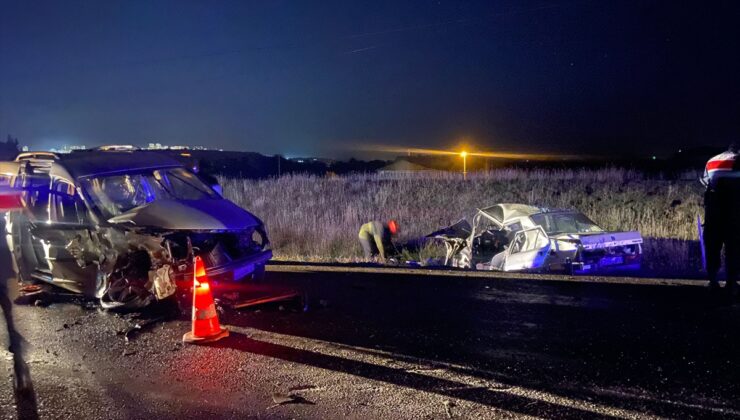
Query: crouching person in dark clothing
x,y
375,238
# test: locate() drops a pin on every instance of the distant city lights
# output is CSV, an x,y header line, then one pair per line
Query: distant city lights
x,y
150,146
68,149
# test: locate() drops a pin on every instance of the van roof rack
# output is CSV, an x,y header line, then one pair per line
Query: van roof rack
x,y
25,156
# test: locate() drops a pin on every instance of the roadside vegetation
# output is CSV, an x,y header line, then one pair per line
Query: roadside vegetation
x,y
313,218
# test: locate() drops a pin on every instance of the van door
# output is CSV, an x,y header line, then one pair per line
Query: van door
x,y
31,250
528,250
68,228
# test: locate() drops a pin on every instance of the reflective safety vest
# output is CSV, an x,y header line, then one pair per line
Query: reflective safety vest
x,y
720,166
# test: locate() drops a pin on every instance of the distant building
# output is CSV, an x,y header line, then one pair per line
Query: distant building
x,y
403,166
68,149
311,159
160,146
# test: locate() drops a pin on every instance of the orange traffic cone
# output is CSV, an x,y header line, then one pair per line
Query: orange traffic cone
x,y
206,327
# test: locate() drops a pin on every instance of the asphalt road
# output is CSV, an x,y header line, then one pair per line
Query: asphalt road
x,y
393,344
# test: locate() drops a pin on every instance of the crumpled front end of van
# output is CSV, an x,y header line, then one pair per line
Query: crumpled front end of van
x,y
147,254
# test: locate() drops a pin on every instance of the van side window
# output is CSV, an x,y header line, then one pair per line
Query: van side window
x,y
36,194
65,205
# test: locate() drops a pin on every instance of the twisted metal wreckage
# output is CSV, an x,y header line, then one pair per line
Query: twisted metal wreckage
x,y
514,237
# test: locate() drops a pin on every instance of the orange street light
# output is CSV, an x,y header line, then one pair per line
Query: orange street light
x,y
464,155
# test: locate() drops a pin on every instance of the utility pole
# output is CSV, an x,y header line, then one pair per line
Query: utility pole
x,y
464,155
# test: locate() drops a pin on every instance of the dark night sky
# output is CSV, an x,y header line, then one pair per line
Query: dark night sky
x,y
318,78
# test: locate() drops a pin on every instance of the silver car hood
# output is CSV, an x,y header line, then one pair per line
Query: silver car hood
x,y
208,214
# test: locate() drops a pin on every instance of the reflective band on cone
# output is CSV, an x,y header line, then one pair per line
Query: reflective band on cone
x,y
205,325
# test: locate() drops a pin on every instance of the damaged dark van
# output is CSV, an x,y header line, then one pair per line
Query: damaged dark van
x,y
123,225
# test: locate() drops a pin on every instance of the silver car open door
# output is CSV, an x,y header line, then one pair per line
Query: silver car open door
x,y
528,250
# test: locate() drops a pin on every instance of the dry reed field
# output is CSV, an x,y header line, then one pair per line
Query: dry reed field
x,y
313,218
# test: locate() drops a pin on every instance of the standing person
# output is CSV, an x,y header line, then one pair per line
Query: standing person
x,y
25,396
721,212
375,238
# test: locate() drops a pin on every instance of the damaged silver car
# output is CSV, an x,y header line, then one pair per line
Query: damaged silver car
x,y
124,225
518,237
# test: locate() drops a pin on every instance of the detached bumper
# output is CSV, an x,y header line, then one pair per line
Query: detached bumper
x,y
237,270
234,271
608,264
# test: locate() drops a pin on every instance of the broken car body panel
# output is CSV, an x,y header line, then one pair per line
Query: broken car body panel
x,y
517,237
124,226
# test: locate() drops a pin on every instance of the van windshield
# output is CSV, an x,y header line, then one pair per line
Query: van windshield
x,y
116,194
565,222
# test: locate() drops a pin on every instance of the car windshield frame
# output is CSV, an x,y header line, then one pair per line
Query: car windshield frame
x,y
142,187
550,223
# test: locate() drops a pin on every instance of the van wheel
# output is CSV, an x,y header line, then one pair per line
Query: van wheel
x,y
121,296
124,288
